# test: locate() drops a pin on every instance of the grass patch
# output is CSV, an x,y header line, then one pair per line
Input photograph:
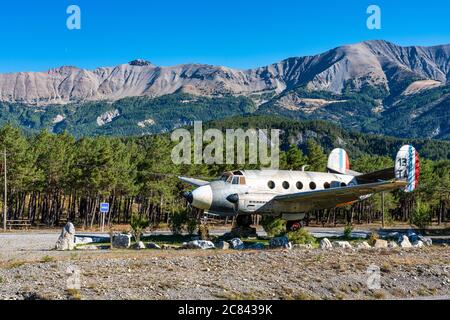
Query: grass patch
x,y
167,239
15,264
47,258
74,294
379,294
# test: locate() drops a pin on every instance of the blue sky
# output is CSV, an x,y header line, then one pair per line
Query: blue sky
x,y
235,33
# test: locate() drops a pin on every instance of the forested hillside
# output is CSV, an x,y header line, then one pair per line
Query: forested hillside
x,y
52,177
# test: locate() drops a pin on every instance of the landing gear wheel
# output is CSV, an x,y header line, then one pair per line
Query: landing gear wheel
x,y
294,225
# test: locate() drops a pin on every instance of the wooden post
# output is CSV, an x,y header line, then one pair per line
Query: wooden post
x,y
382,210
5,199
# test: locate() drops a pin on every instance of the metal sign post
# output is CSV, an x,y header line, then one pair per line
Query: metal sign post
x,y
104,209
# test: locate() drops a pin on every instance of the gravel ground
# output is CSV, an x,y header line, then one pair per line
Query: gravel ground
x,y
30,270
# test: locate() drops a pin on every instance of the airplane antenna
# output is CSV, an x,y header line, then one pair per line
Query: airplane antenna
x,y
305,166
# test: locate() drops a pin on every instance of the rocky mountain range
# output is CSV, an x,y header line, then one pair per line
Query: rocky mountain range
x,y
375,63
372,86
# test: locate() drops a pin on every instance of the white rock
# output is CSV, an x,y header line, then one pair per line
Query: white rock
x,y
426,240
236,244
363,245
121,241
199,244
342,244
325,244
107,117
83,240
392,244
379,243
404,243
139,245
418,244
66,240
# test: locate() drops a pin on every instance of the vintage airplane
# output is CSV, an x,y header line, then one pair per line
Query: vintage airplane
x,y
290,194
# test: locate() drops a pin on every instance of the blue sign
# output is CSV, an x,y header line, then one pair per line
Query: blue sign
x,y
104,207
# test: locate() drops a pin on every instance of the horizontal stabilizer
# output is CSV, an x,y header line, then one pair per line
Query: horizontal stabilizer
x,y
193,181
380,175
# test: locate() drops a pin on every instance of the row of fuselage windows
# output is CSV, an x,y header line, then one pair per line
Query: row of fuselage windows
x,y
299,185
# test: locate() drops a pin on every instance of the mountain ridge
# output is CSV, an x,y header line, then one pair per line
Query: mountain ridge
x,y
375,63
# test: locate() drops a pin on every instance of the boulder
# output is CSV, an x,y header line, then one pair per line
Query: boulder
x,y
152,245
404,242
342,244
139,245
236,244
66,240
256,246
418,244
83,240
223,245
363,245
88,247
413,237
280,242
379,243
325,244
199,244
121,240
427,241
392,244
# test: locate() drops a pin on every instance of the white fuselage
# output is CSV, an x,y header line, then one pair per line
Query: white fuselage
x,y
254,190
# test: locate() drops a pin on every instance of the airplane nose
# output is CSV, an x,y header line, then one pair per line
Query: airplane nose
x,y
188,196
202,197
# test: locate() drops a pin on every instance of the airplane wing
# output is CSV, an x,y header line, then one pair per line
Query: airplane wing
x,y
193,181
330,198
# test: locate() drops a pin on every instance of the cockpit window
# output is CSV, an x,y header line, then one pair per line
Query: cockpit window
x,y
235,180
227,177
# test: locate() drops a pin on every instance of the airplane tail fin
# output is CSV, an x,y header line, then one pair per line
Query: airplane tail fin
x,y
338,161
407,167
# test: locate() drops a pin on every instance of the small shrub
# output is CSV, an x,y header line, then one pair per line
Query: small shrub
x,y
178,221
301,236
74,294
191,225
421,215
348,231
203,232
373,236
138,224
47,259
273,226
